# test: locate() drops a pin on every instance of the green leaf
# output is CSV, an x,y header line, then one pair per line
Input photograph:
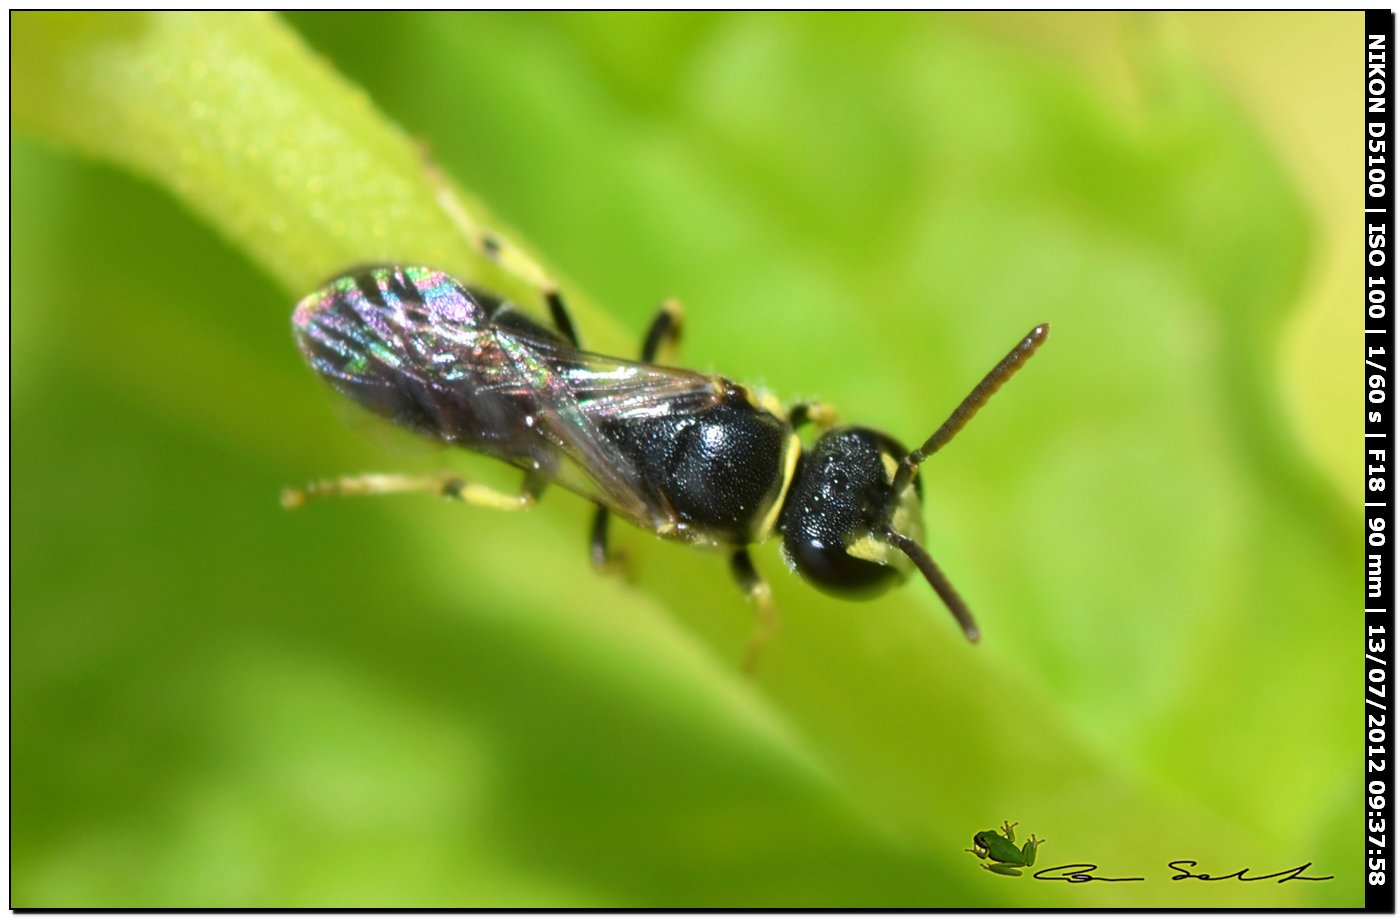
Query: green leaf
x,y
409,703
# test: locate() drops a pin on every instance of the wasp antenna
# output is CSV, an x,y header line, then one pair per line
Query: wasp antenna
x,y
938,581
970,405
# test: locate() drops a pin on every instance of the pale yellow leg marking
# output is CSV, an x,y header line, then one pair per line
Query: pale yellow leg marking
x,y
821,414
617,565
677,312
764,629
445,484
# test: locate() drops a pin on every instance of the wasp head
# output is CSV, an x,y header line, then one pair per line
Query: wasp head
x,y
853,523
836,520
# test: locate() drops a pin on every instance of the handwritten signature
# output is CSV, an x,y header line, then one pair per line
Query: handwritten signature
x,y
1082,872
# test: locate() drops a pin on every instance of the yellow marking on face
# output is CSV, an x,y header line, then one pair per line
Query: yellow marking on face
x,y
870,549
770,519
891,465
908,515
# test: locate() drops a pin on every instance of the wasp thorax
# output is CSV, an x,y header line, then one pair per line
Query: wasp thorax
x,y
838,514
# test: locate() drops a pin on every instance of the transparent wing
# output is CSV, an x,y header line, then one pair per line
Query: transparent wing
x,y
589,393
414,346
401,342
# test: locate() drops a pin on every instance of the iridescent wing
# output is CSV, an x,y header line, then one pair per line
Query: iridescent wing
x,y
414,346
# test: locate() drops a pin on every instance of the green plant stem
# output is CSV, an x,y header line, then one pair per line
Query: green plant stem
x,y
233,114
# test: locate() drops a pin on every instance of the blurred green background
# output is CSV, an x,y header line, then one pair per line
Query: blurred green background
x,y
409,702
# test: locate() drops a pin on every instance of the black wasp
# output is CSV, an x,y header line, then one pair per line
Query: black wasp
x,y
687,455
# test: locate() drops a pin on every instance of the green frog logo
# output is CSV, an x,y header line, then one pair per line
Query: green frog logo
x,y
1000,850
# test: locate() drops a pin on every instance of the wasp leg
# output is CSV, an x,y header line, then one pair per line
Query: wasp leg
x,y
563,322
533,486
496,249
761,594
445,484
598,541
605,560
664,331
819,413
